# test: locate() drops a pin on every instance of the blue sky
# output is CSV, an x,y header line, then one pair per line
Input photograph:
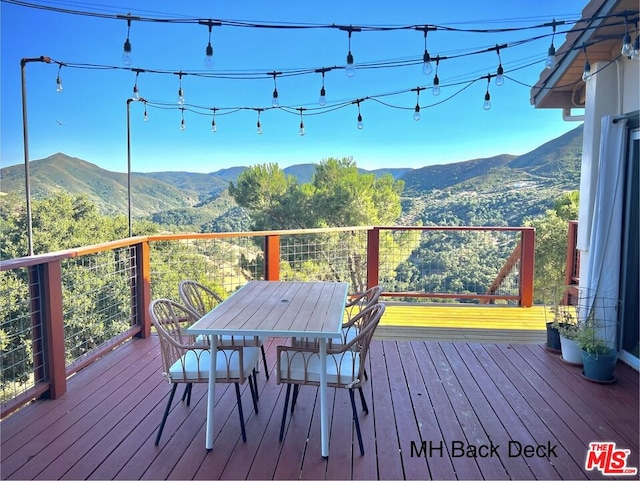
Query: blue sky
x,y
88,118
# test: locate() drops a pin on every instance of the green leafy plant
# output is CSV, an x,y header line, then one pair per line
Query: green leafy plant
x,y
589,341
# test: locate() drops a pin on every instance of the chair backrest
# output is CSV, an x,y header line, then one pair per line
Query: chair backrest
x,y
368,318
166,316
198,297
361,300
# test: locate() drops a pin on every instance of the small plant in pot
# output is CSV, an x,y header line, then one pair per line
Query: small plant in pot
x,y
571,350
599,356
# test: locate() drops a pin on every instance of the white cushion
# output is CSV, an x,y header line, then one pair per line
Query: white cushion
x,y
194,365
341,368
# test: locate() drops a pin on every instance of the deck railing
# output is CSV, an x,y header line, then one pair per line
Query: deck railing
x,y
61,311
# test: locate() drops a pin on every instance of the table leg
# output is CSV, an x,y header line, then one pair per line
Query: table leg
x,y
211,394
324,417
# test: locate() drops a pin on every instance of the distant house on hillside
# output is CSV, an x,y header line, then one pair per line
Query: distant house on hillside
x,y
609,203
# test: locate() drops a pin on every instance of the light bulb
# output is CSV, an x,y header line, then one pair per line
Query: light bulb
x,y
259,128
183,125
208,57
427,68
322,101
59,84
180,96
436,86
126,53
301,131
274,100
586,75
360,125
500,76
351,69
145,117
487,101
213,126
627,48
416,113
636,48
551,57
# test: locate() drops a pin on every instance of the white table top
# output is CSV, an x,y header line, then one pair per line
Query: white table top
x,y
278,308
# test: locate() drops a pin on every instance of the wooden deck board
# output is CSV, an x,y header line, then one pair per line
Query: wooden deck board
x,y
418,391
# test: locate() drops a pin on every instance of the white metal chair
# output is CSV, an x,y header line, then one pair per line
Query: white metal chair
x,y
201,300
345,365
184,361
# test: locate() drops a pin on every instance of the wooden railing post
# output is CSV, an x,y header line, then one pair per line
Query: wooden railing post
x,y
373,257
50,279
528,245
142,288
272,257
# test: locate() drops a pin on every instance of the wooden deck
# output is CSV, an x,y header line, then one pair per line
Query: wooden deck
x,y
436,395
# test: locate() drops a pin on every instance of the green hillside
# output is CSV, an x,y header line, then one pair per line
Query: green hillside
x,y
499,190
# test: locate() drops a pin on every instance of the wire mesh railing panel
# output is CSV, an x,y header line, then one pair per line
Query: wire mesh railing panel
x,y
99,300
21,344
448,265
222,263
328,256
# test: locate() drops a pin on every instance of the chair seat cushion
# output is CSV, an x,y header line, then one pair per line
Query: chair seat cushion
x,y
304,367
194,365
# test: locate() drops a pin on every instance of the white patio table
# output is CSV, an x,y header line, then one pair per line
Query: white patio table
x,y
277,309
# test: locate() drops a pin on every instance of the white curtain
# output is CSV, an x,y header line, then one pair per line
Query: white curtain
x,y
603,268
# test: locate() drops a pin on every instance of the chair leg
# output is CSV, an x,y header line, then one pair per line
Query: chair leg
x,y
356,421
296,389
255,383
264,361
363,401
240,413
186,391
253,387
284,412
166,412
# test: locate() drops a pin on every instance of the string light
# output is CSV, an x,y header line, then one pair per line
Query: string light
x,y
487,95
416,111
183,125
500,70
627,48
145,116
301,130
274,100
350,69
127,59
258,124
360,125
322,100
180,91
586,74
436,80
208,51
214,128
59,87
427,68
636,48
551,54
136,93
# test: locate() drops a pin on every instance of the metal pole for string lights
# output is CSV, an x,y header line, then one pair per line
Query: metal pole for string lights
x,y
129,160
25,137
129,164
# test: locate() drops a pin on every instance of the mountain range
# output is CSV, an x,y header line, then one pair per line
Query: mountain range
x,y
545,172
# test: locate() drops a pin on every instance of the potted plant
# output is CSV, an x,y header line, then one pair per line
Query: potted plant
x,y
598,355
571,351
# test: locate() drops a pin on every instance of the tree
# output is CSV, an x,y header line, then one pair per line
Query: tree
x,y
551,242
337,196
